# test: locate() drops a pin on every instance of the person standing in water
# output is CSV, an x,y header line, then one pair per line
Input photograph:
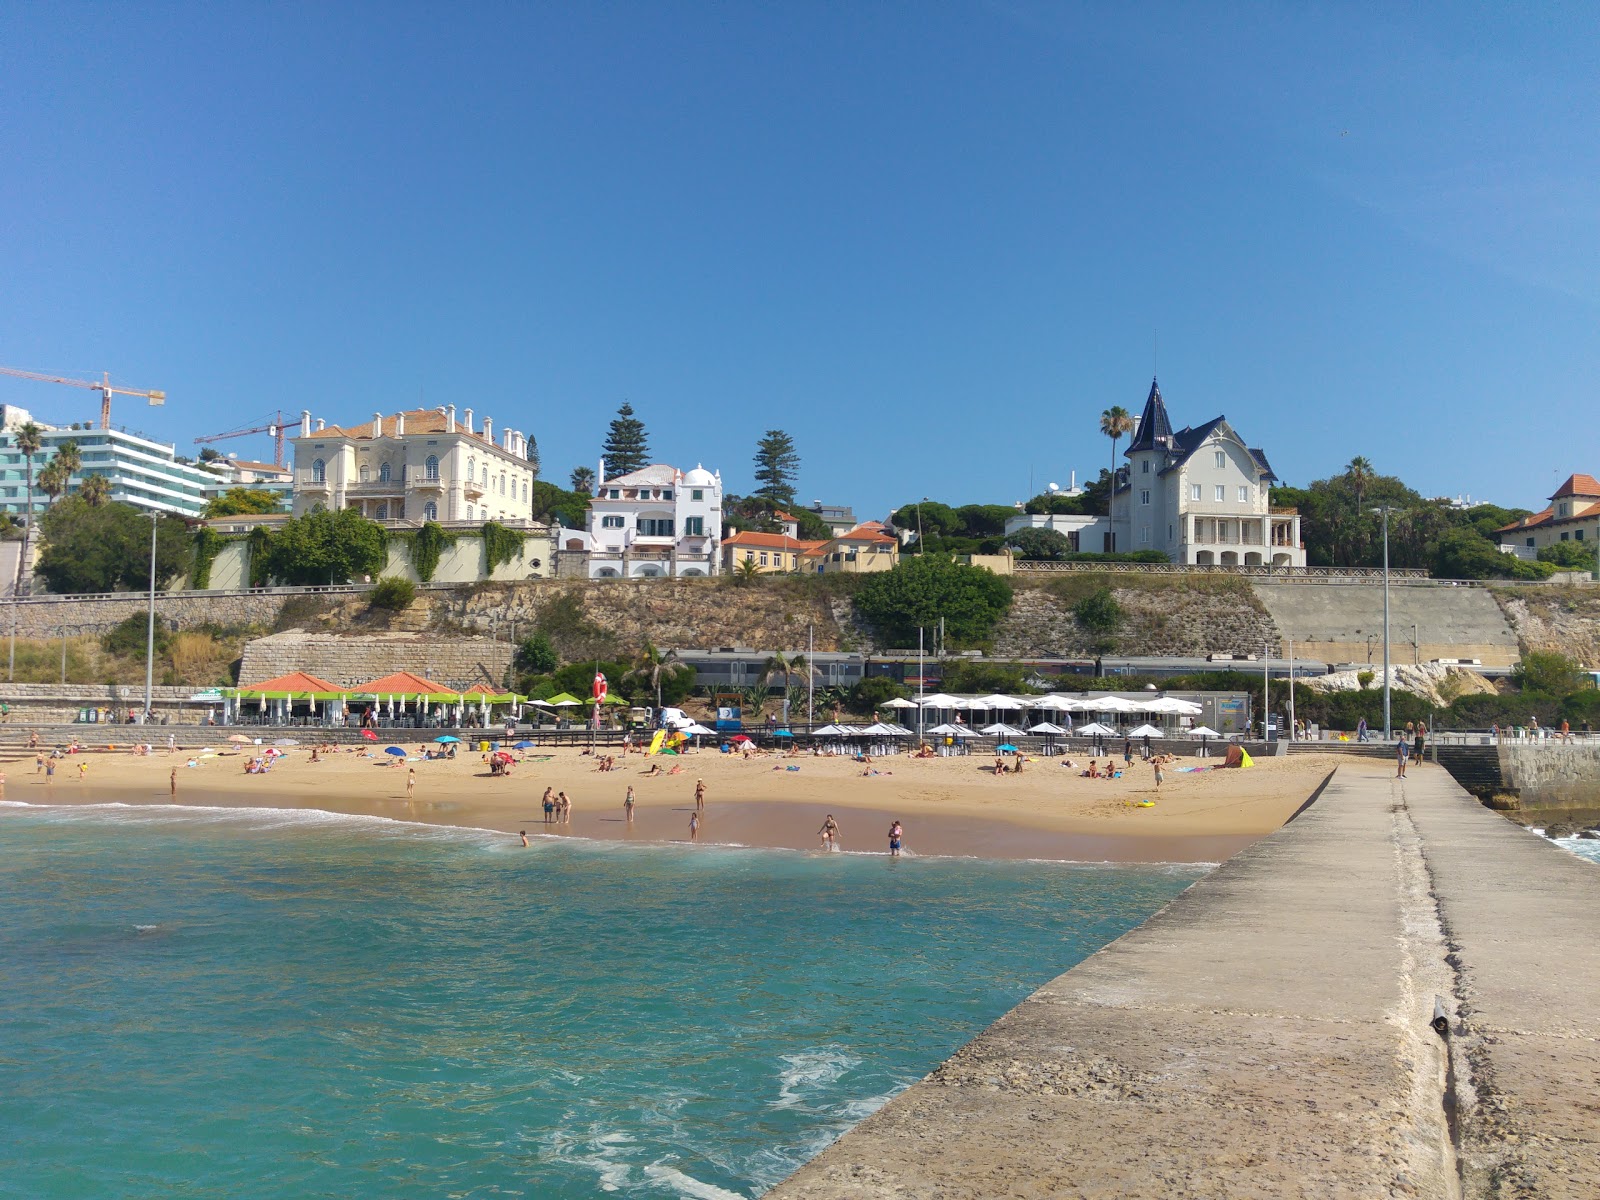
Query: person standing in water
x,y
549,803
694,826
895,836
524,837
627,804
830,833
411,781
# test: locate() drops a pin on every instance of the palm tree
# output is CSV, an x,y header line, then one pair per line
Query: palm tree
x,y
1114,422
652,664
746,571
29,439
786,665
95,490
53,479
70,458
1359,472
583,480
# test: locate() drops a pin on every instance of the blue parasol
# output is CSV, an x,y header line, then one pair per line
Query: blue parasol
x,y
1006,746
781,733
526,745
395,750
447,738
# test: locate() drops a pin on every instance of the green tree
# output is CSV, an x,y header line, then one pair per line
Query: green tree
x,y
326,548
106,548
777,466
1570,556
29,438
241,501
1548,674
53,479
1099,611
654,666
1115,422
928,519
536,656
95,490
922,589
553,504
70,456
1040,544
582,480
874,692
532,456
1359,472
627,446
984,520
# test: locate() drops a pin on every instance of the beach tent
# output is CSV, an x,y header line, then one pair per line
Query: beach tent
x,y
1145,731
1111,704
1237,757
881,730
564,700
951,731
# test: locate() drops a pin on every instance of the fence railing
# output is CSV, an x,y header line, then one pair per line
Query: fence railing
x,y
1321,574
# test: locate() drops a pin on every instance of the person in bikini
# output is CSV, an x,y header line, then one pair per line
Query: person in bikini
x,y
829,833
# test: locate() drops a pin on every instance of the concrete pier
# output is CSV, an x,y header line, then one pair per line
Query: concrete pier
x,y
1269,1033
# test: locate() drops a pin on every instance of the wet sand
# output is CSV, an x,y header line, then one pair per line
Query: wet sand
x,y
949,806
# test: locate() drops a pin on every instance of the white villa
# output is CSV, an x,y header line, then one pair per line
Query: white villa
x,y
1199,496
421,465
656,521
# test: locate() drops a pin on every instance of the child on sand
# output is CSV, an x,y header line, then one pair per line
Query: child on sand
x,y
627,804
694,826
1157,765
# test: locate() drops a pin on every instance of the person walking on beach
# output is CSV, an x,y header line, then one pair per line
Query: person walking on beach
x,y
627,804
694,826
1421,741
411,782
172,743
895,836
83,771
565,805
173,782
830,833
1401,747
699,794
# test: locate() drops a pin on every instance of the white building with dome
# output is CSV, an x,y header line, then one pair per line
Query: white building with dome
x,y
656,521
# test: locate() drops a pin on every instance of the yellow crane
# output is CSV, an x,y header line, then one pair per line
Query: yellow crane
x,y
104,387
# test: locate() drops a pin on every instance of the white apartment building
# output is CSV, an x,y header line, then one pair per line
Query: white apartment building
x,y
415,466
1199,496
229,472
657,521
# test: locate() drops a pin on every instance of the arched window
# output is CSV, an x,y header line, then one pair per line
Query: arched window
x,y
430,469
383,512
319,472
485,480
502,483
524,489
363,472
383,473
470,472
430,511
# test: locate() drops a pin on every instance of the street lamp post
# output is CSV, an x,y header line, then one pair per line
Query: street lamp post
x,y
1371,637
150,630
1388,729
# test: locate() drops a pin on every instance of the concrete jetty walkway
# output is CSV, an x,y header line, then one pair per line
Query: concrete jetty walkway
x,y
1268,1034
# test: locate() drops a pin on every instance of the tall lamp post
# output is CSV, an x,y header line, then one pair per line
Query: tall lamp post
x,y
1387,724
150,630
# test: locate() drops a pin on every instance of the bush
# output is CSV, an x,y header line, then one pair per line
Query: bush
x,y
964,675
392,593
129,637
1040,544
1569,556
1364,679
1099,611
869,694
536,656
1549,674
922,590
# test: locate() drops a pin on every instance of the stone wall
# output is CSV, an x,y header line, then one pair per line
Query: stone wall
x,y
1551,774
1160,617
349,660
1332,621
44,616
59,704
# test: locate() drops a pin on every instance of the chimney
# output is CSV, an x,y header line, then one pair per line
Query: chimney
x,y
488,430
321,424
377,425
510,439
466,419
305,422
600,477
450,418
400,424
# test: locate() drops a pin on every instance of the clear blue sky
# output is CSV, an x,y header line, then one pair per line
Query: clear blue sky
x,y
932,242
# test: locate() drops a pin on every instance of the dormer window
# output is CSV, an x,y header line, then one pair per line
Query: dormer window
x,y
1222,459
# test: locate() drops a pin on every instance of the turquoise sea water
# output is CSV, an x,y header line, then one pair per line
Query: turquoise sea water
x,y
215,1003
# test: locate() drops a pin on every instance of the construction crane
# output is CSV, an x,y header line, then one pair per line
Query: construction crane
x,y
104,388
275,428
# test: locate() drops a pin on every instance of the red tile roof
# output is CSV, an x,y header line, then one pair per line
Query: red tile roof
x,y
402,681
1547,517
865,533
418,420
769,541
294,681
1578,485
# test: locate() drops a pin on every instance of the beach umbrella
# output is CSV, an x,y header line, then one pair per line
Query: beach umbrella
x,y
1006,746
237,737
699,730
940,700
1045,727
1094,729
882,730
1146,731
993,702
369,735
898,702
449,737
525,745
541,703
1202,731
738,737
1059,703
825,731
1171,704
1111,704
1000,729
948,730
394,750
782,733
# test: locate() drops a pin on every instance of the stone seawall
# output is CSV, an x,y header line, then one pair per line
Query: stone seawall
x,y
1552,775
1271,1032
458,662
45,616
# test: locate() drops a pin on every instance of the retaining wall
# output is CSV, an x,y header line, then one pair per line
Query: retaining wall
x,y
1551,774
458,662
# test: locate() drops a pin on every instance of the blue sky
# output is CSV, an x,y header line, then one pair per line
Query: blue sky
x,y
932,242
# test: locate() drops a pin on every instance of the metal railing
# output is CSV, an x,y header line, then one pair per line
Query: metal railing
x,y
1326,574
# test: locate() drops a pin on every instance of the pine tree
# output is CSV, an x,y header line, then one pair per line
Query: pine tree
x,y
627,447
533,456
777,465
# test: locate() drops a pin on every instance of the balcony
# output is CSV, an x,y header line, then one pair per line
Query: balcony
x,y
372,487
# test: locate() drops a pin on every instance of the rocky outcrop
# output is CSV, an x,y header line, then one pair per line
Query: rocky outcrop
x,y
1560,619
1159,617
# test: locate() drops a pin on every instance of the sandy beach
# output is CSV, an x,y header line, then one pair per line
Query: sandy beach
x,y
949,806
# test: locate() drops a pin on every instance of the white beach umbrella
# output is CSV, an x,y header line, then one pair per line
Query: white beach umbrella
x,y
828,731
1146,731
1001,729
995,702
1203,731
1111,704
1095,730
882,730
1046,728
698,730
951,731
898,702
1171,704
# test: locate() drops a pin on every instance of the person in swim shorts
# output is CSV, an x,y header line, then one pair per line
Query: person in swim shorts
x,y
895,836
